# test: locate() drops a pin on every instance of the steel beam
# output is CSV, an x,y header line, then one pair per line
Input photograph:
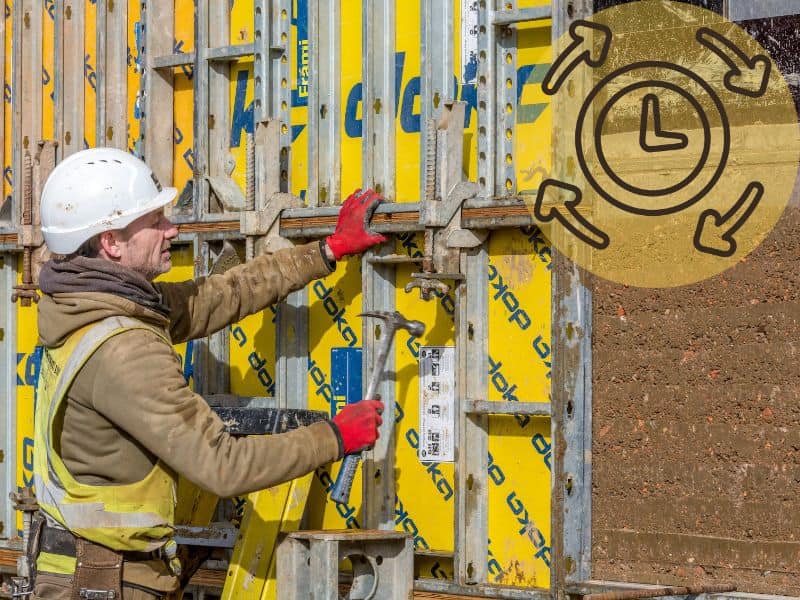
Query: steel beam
x,y
378,103
571,424
200,121
378,280
487,99
505,108
472,435
437,85
324,104
26,90
158,124
74,28
101,54
439,586
211,354
8,385
115,131
219,161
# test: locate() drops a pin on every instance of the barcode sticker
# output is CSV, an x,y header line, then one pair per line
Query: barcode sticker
x,y
437,403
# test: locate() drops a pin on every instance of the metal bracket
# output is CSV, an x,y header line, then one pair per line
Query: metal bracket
x,y
36,169
263,221
440,213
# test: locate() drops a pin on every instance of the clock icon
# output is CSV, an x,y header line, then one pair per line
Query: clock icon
x,y
697,141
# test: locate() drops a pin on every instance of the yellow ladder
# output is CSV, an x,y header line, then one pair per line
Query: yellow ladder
x,y
267,514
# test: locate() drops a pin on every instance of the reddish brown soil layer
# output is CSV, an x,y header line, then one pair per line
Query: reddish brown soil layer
x,y
696,426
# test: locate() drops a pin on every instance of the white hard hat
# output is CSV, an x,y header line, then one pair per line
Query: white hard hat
x,y
96,190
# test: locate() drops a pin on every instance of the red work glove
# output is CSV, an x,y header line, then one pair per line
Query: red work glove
x,y
358,425
351,235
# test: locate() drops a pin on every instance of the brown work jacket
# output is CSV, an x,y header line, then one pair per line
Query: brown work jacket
x,y
130,404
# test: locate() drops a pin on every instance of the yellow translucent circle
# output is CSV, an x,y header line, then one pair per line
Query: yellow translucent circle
x,y
676,145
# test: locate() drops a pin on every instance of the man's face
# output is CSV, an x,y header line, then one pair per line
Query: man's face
x,y
144,244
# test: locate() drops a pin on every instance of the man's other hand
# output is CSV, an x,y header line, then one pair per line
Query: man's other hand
x,y
352,235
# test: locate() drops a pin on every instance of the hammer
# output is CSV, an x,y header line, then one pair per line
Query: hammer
x,y
393,321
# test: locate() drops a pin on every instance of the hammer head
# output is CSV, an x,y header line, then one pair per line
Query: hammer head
x,y
394,321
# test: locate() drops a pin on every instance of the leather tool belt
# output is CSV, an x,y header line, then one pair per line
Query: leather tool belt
x,y
98,570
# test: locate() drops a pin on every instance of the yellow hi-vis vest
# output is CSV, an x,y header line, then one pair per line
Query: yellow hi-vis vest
x,y
135,517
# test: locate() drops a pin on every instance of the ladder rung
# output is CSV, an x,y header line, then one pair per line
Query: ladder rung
x,y
502,18
484,407
173,60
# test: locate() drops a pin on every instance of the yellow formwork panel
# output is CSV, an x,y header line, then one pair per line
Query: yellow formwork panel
x,y
183,103
351,105
425,505
134,74
334,303
90,75
7,182
407,57
28,361
48,70
519,446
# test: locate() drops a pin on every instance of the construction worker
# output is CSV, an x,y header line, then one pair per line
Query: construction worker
x,y
116,422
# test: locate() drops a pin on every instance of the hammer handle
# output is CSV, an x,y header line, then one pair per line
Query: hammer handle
x,y
344,480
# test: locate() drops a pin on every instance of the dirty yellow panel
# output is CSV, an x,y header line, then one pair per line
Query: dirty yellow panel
x,y
519,446
134,74
407,59
351,86
7,142
28,361
299,77
241,116
334,303
48,73
467,93
90,76
183,110
252,355
532,148
425,505
241,91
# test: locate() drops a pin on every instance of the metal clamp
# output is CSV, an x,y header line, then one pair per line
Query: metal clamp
x,y
35,172
263,218
440,213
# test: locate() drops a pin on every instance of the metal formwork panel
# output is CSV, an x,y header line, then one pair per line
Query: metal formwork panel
x,y
572,385
113,131
155,144
324,103
472,439
73,96
101,61
379,96
354,113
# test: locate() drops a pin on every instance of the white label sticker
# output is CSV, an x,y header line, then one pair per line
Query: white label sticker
x,y
469,42
437,421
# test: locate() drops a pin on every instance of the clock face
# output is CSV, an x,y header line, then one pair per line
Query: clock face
x,y
666,115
